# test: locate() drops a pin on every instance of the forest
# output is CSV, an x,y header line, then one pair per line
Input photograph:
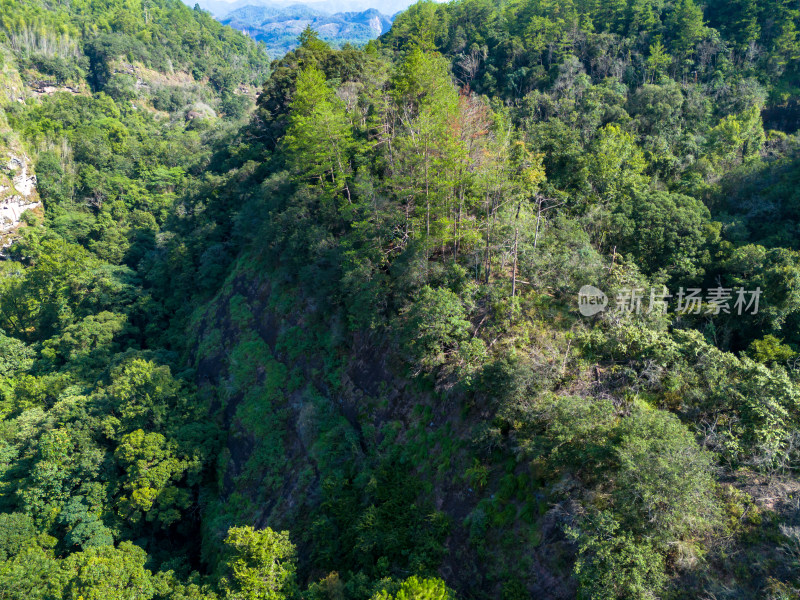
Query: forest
x,y
503,304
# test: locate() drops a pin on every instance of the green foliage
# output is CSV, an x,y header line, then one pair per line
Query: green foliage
x,y
18,530
737,138
769,349
261,564
109,573
612,564
665,480
662,231
33,573
150,467
381,522
420,27
319,133
436,327
353,316
104,32
416,588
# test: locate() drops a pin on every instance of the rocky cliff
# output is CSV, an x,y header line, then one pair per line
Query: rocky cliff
x,y
17,181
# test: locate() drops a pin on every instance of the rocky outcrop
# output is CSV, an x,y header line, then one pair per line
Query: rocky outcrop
x,y
48,88
17,181
17,195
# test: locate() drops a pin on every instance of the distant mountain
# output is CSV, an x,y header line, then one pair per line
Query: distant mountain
x,y
222,8
278,26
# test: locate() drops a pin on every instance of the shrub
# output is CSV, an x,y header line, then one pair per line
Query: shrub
x,y
612,565
665,482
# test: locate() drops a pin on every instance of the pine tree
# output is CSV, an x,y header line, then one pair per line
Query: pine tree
x,y
657,62
783,42
320,135
427,108
531,176
642,17
686,27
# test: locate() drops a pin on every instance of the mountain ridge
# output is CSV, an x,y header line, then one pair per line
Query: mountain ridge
x,y
221,8
278,27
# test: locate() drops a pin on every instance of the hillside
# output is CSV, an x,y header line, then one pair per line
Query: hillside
x,y
17,182
504,304
109,116
279,27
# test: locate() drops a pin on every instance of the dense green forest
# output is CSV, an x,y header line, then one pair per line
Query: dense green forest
x,y
312,329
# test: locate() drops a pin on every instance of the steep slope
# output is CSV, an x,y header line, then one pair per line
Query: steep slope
x,y
336,346
17,182
109,113
396,351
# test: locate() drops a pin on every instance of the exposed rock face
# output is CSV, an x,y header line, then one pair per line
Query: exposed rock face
x,y
376,25
17,194
24,182
200,110
48,88
17,181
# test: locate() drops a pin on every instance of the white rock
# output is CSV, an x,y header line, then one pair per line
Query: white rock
x,y
23,196
25,184
10,211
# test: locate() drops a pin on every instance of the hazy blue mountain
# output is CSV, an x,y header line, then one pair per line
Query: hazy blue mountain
x,y
278,26
222,8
